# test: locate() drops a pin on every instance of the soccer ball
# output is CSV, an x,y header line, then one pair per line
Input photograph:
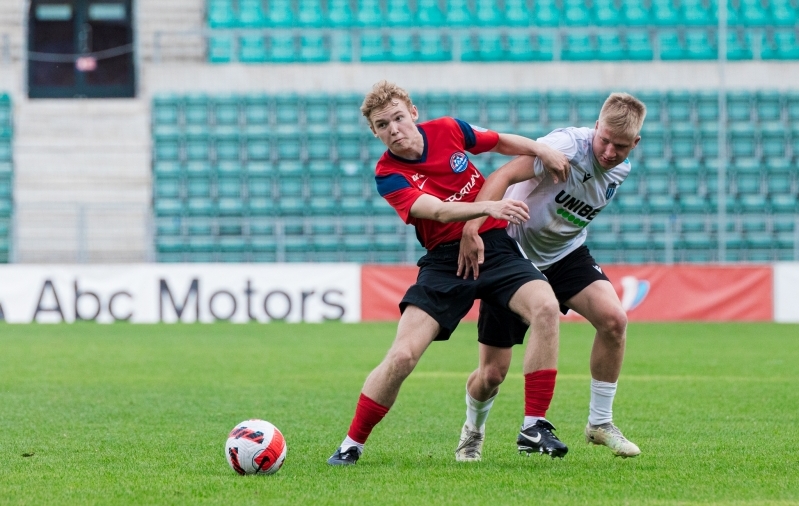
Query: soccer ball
x,y
255,447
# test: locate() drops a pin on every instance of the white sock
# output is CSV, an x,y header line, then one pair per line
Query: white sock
x,y
477,411
600,409
529,421
349,443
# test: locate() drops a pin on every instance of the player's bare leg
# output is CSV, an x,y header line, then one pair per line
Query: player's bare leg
x,y
600,305
415,332
536,303
481,389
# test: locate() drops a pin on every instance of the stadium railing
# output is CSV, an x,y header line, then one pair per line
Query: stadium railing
x,y
289,177
6,178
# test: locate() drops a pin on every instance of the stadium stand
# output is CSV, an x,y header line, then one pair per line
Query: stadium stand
x,y
285,31
6,177
290,177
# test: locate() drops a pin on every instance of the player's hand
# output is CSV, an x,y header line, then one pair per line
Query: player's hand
x,y
514,211
555,163
471,255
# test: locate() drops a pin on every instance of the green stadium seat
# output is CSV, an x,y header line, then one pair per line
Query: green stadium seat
x,y
228,187
664,13
259,187
258,148
163,227
634,13
679,106
220,48
261,206
782,203
230,206
198,150
458,14
489,46
683,141
487,13
528,108
692,203
402,47
739,45
221,14
310,13
370,14
661,204
168,207
670,46
290,186
340,46
340,14
354,205
653,146
696,241
201,206
578,46
399,13
468,47
169,245
606,13
162,188
558,107
517,13
160,169
697,13
281,14
252,49
429,13
748,183
544,47
783,13
754,14
313,49
699,46
628,203
610,47
520,46
255,168
227,150
283,48
658,184
778,183
783,46
687,185
468,107
546,13
576,13
497,108
433,47
348,112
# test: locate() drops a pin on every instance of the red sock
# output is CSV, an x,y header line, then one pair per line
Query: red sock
x,y
368,413
538,389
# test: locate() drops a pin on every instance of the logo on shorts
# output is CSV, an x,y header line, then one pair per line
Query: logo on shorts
x,y
610,191
633,292
458,162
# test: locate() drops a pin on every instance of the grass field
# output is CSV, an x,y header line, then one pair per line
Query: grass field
x,y
122,414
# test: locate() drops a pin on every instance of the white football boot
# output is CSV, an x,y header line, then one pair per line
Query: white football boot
x,y
470,447
609,435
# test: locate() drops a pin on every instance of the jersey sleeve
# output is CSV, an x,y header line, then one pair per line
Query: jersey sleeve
x,y
476,139
561,140
399,193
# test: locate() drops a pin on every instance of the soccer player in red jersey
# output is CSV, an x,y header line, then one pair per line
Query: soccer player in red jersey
x,y
429,180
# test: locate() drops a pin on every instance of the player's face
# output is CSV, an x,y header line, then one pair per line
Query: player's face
x,y
611,148
395,125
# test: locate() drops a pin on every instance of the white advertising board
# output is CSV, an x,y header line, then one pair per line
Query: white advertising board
x,y
786,292
151,293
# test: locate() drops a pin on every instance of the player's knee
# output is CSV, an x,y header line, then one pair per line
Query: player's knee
x,y
614,325
493,376
402,362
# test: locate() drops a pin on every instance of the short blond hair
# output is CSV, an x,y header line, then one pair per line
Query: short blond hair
x,y
383,93
623,114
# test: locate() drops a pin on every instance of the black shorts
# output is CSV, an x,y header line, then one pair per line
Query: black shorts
x,y
447,297
497,326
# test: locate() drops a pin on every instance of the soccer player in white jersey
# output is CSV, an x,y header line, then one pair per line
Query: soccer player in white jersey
x,y
553,240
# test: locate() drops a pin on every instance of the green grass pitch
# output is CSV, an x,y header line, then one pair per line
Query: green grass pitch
x,y
128,414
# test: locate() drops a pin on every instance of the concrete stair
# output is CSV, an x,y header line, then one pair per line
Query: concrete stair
x,y
82,181
179,21
11,32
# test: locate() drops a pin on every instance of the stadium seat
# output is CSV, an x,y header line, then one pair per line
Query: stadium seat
x,y
699,46
669,45
784,46
520,46
458,14
697,13
517,13
252,49
402,47
429,13
488,14
220,48
610,47
578,46
313,49
341,46
281,13
558,107
739,46
664,13
546,13
433,47
369,14
544,47
398,13
634,13
575,13
606,13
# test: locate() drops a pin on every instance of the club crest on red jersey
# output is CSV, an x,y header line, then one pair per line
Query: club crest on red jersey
x,y
458,162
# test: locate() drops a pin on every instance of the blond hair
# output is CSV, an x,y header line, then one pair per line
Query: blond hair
x,y
623,114
381,95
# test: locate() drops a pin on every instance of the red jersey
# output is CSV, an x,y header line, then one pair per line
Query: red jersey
x,y
444,171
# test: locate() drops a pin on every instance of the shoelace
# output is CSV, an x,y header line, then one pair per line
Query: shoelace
x,y
470,444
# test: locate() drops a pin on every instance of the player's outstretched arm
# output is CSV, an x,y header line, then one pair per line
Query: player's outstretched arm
x,y
472,251
428,207
555,162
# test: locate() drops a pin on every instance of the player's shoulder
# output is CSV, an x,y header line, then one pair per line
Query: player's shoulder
x,y
442,122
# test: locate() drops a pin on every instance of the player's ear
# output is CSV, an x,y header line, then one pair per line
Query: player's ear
x,y
414,113
637,139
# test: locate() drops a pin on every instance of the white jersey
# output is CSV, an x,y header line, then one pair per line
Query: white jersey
x,y
560,212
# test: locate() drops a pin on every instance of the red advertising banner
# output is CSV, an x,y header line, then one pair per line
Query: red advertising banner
x,y
647,292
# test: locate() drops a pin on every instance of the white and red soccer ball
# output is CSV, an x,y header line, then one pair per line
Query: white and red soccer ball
x,y
255,447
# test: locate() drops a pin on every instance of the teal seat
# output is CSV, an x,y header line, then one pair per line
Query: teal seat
x,y
259,187
162,188
664,13
372,47
319,147
576,13
544,47
778,183
739,106
487,13
287,109
782,203
220,48
252,49
468,107
774,144
429,13
340,46
497,108
778,165
691,203
201,206
437,105
281,14
458,14
313,49
678,106
399,13
198,150
489,46
520,46
546,13
434,47
634,13
588,106
768,106
658,184
261,206
748,183
228,187
369,14
697,13
291,206
339,14
661,204
310,13
707,106
258,148
351,186
230,206
738,45
402,47
283,48
578,47
753,13
517,13
606,13
169,245
654,104
163,227
630,203
698,46
221,14
783,13
251,13
227,151
468,47
558,107
784,46
609,47
670,46
354,205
